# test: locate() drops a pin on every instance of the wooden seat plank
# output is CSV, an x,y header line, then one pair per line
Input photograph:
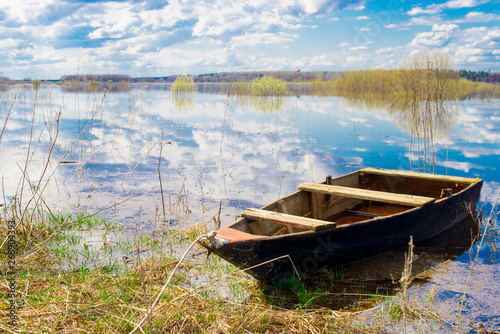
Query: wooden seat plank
x,y
288,220
364,194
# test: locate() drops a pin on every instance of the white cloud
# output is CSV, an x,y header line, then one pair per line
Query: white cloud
x,y
430,39
355,7
481,17
322,60
438,8
10,43
357,48
262,38
422,21
31,12
165,17
355,59
430,10
176,59
133,37
478,45
438,37
457,4
468,52
444,27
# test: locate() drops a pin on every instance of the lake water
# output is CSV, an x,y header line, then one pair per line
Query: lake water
x,y
216,152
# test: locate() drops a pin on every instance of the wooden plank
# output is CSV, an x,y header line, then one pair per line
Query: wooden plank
x,y
288,220
363,194
415,175
313,205
282,208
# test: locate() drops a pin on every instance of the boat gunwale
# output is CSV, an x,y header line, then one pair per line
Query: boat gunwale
x,y
374,220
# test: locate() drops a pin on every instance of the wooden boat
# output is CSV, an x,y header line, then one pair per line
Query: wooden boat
x,y
344,219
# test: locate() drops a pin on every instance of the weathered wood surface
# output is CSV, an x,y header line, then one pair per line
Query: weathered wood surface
x,y
422,176
283,208
363,194
288,220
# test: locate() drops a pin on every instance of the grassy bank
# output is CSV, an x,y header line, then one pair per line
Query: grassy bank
x,y
63,283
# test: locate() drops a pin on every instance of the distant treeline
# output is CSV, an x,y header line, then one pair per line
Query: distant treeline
x,y
230,77
480,76
97,77
289,76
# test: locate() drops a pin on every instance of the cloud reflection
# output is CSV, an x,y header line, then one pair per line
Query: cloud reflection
x,y
218,150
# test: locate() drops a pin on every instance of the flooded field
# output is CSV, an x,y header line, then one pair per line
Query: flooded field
x,y
147,161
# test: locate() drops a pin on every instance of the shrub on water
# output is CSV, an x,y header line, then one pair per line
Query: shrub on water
x,y
183,84
36,84
269,86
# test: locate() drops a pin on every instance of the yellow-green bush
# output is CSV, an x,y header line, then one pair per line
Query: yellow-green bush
x,y
183,84
269,86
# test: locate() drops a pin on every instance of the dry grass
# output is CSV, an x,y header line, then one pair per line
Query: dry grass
x,y
114,298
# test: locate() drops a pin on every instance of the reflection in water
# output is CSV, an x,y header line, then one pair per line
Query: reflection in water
x,y
354,285
183,102
221,150
264,104
267,94
426,122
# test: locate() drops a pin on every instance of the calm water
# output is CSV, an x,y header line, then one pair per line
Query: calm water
x,y
216,151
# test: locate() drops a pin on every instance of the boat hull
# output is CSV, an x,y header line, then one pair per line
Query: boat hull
x,y
280,257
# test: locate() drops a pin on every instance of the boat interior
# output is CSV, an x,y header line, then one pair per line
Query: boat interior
x,y
363,195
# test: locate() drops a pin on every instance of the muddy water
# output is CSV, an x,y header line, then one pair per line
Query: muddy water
x,y
218,153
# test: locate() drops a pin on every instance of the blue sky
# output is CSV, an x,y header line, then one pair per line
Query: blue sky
x,y
46,39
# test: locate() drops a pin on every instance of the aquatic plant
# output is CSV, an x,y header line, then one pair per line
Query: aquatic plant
x,y
266,94
36,84
93,85
183,85
182,91
269,86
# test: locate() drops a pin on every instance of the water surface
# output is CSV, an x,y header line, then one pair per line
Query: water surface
x,y
217,152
